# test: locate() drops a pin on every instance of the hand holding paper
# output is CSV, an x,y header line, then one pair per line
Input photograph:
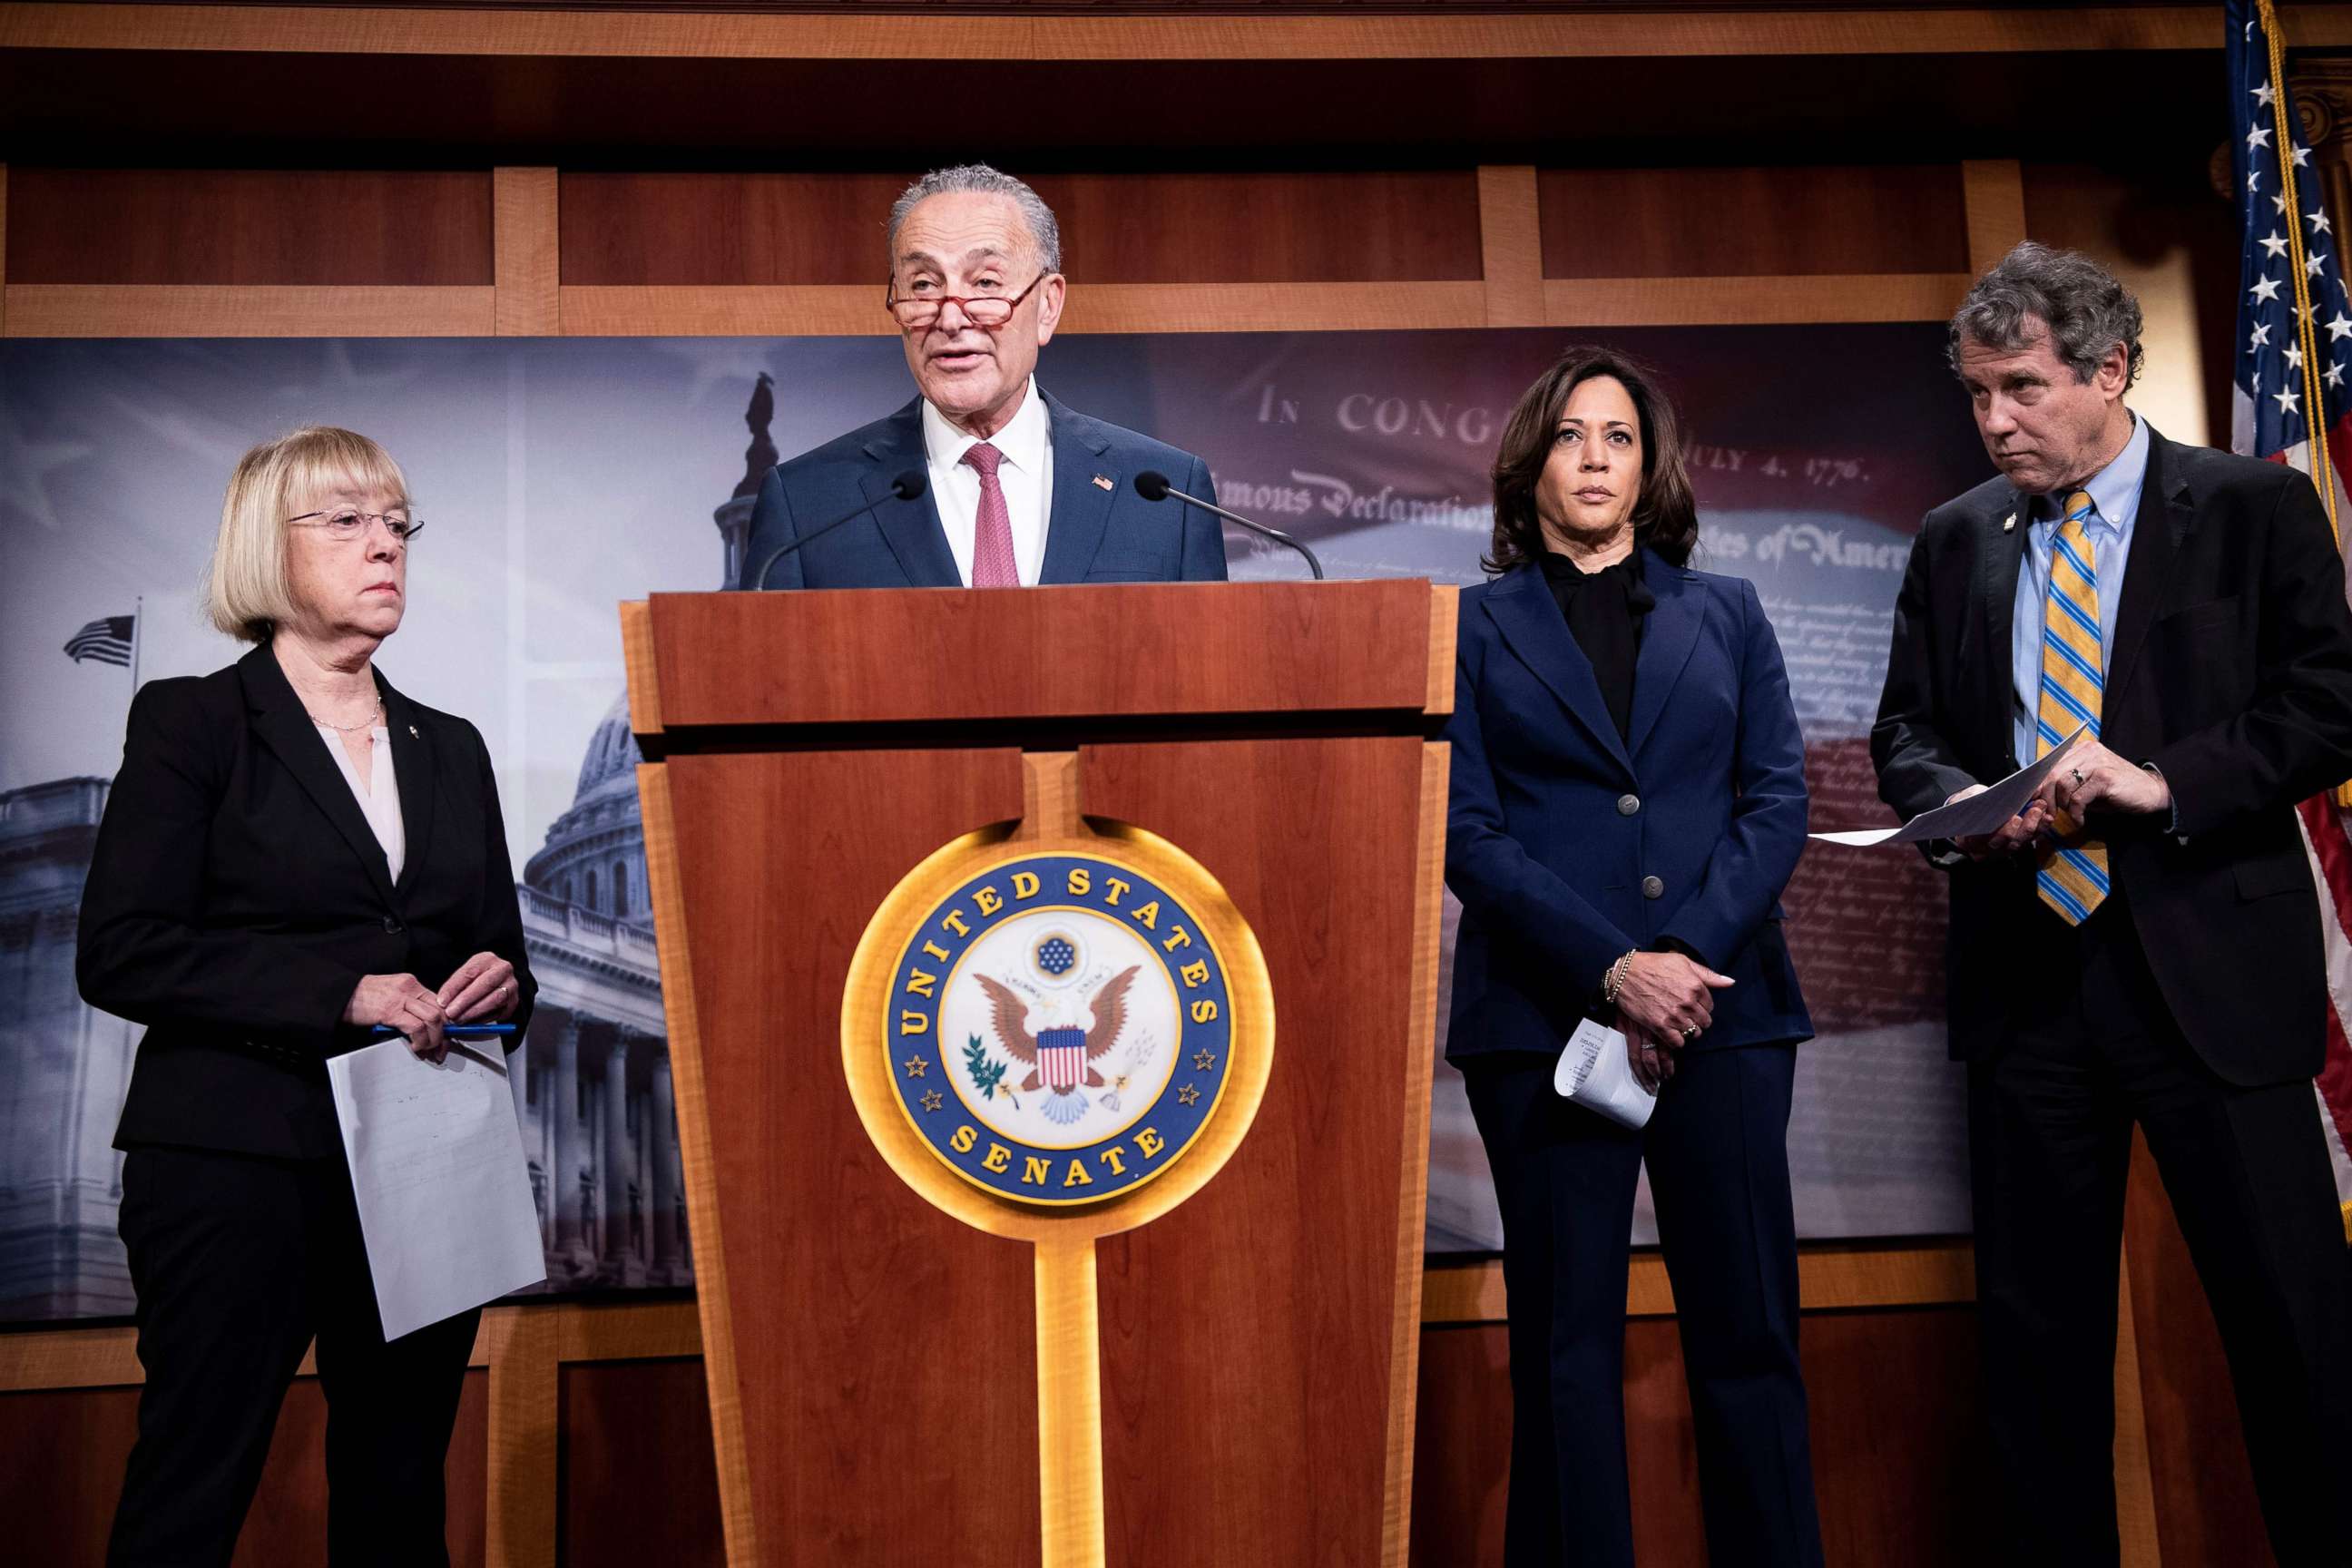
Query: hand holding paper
x,y
1594,1073
1980,815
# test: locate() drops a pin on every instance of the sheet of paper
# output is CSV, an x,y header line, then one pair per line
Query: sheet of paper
x,y
1593,1071
1964,818
437,1170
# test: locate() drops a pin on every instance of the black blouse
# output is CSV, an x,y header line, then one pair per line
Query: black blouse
x,y
1604,611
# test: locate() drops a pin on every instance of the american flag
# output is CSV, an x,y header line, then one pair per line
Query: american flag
x,y
106,640
1062,1057
2295,326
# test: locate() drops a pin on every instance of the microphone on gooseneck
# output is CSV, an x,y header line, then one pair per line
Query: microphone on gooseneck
x,y
908,486
1154,486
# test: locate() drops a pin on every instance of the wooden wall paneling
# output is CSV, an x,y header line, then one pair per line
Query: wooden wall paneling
x,y
520,1527
62,1457
1830,1275
197,311
1462,1447
1510,243
1804,221
1993,193
525,227
1900,1469
1315,1306
1732,301
252,227
1258,226
62,1453
845,310
638,1482
2134,1476
2201,1485
1899,1476
1728,31
2174,241
628,229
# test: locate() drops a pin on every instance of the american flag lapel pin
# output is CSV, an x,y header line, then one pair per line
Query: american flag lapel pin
x,y
1103,481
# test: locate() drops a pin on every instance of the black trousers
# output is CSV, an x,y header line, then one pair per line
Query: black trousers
x,y
240,1262
2050,1118
1717,1147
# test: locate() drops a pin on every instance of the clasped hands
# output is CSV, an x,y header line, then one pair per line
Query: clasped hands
x,y
481,991
1665,1002
2091,775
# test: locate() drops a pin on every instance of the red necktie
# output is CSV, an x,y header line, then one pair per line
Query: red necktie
x,y
991,548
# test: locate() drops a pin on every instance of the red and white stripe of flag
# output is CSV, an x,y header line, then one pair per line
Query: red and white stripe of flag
x,y
2327,843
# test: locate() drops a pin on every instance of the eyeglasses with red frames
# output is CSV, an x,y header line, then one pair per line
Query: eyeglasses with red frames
x,y
989,313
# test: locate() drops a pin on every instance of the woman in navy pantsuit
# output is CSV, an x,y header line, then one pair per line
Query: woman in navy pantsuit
x,y
1628,803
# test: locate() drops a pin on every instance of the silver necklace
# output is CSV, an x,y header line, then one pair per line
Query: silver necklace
x,y
367,723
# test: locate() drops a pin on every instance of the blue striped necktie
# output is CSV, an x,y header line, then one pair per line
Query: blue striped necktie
x,y
2073,873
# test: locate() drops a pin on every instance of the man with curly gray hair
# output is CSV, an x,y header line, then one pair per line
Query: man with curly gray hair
x,y
1016,489
2141,945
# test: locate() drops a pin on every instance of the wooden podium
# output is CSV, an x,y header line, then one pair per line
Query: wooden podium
x,y
912,1359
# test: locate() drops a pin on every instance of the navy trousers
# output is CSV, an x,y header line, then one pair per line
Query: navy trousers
x,y
1716,1149
240,1262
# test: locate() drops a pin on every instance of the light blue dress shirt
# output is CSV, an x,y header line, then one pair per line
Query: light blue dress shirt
x,y
2115,496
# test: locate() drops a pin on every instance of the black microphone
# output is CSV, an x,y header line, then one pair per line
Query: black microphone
x,y
908,486
1154,486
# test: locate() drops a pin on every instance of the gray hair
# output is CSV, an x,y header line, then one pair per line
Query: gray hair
x,y
978,179
2087,311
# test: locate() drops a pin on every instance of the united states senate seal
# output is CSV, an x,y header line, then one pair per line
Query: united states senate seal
x,y
1060,1027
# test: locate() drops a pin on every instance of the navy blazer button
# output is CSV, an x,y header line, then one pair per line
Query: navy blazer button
x,y
1652,888
391,926
1627,805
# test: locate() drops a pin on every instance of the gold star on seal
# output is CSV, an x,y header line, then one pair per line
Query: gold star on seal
x,y
915,1065
1188,1095
1203,1060
933,1100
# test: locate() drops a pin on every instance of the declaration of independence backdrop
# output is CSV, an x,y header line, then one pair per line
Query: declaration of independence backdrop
x,y
560,475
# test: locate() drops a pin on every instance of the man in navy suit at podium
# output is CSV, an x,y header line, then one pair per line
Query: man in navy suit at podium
x,y
1010,488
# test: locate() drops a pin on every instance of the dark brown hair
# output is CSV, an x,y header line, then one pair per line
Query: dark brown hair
x,y
1665,517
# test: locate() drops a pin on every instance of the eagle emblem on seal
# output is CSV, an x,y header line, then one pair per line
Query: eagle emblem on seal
x,y
1060,1056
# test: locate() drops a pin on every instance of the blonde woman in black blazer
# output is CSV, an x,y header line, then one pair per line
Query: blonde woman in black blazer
x,y
292,855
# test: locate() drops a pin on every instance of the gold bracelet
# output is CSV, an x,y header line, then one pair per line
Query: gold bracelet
x,y
1614,981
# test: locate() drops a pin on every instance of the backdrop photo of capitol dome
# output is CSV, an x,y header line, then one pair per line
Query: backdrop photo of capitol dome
x,y
560,477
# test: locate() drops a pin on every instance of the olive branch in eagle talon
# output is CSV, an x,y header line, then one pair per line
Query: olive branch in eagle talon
x,y
1008,1013
987,1074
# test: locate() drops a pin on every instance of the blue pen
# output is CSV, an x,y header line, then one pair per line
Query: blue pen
x,y
454,1032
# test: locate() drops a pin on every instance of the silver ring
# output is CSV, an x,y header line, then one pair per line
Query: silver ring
x,y
1690,1034
2077,774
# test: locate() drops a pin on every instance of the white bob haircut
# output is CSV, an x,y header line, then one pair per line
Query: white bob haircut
x,y
248,591
979,180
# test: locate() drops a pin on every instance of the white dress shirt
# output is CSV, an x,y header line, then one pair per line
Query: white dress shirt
x,y
1026,475
380,801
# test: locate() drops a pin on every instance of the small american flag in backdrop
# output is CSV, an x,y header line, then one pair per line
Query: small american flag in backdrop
x,y
107,641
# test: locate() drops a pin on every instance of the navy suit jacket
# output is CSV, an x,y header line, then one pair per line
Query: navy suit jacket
x,y
1570,846
1093,533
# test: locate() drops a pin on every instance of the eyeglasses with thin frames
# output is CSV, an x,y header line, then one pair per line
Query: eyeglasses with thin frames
x,y
989,313
344,524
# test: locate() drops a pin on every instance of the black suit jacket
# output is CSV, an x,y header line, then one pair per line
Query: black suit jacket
x,y
2231,672
236,896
